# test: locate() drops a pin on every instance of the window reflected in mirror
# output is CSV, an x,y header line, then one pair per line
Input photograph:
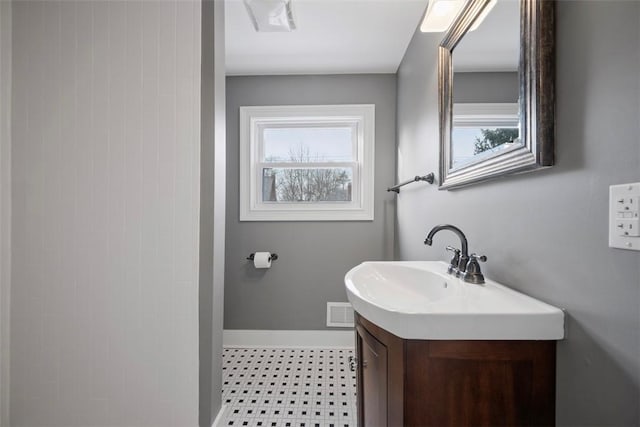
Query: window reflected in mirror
x,y
483,130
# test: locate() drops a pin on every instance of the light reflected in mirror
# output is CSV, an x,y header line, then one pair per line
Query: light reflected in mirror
x,y
486,119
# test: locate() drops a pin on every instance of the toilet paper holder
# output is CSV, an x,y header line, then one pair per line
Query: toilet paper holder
x,y
273,257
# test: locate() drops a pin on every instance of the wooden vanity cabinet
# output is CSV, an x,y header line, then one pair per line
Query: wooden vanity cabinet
x,y
452,383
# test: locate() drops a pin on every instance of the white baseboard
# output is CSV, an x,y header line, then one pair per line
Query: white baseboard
x,y
288,339
218,421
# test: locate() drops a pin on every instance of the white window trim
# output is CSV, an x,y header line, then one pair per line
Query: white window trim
x,y
486,114
360,209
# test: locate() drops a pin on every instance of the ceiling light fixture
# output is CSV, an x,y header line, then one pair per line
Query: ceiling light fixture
x,y
441,13
271,15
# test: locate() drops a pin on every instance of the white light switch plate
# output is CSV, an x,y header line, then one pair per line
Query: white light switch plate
x,y
624,216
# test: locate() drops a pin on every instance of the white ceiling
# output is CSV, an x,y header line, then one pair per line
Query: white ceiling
x,y
333,37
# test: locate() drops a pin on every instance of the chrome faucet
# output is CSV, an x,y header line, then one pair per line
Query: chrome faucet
x,y
460,256
462,264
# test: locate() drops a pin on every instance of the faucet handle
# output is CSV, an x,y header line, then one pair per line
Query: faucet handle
x,y
481,258
453,266
473,274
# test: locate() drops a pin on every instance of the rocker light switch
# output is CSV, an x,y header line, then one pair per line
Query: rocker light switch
x,y
624,216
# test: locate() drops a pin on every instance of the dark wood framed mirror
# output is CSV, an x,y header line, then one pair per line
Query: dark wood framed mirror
x,y
496,77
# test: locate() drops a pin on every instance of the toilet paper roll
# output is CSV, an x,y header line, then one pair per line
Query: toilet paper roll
x,y
262,260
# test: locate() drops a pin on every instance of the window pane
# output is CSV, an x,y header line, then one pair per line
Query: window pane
x,y
293,185
308,144
474,143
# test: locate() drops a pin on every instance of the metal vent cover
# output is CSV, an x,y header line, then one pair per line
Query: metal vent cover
x,y
340,315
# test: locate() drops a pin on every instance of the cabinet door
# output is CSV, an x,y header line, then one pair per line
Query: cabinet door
x,y
372,380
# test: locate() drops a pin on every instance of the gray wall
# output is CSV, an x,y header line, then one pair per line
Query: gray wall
x,y
106,170
314,256
545,233
5,204
485,87
212,209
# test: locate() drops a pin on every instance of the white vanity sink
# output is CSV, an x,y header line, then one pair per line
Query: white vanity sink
x,y
419,300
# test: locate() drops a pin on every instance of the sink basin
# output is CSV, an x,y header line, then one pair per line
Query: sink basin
x,y
419,300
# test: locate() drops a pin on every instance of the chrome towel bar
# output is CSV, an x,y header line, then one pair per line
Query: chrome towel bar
x,y
428,178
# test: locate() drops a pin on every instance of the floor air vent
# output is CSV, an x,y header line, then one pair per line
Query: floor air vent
x,y
339,315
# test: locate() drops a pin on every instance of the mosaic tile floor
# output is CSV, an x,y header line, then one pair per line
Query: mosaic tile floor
x,y
277,387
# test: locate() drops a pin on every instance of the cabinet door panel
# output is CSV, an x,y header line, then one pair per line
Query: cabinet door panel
x,y
481,383
372,364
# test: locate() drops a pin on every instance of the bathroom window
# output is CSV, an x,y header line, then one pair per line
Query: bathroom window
x,y
307,163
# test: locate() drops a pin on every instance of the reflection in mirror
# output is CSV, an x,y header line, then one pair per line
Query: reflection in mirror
x,y
483,130
485,86
487,64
